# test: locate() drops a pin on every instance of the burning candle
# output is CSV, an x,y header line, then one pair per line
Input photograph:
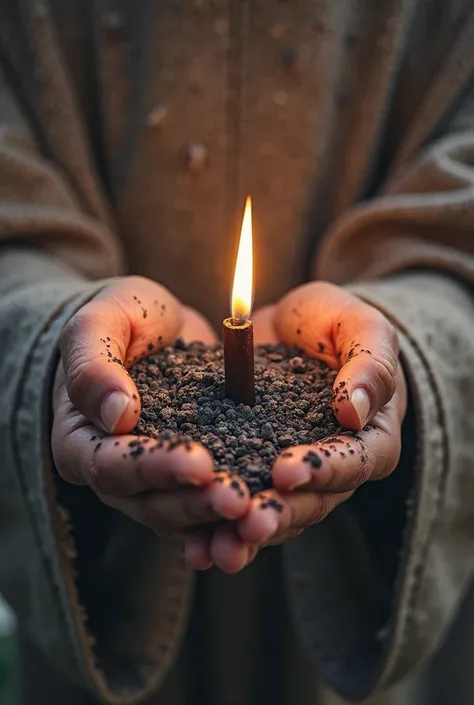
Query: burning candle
x,y
237,331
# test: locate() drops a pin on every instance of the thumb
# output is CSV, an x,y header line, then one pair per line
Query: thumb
x,y
124,322
368,346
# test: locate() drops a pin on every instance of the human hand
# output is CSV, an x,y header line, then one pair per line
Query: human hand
x,y
351,336
96,406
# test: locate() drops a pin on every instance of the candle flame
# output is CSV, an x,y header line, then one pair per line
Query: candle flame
x,y
242,289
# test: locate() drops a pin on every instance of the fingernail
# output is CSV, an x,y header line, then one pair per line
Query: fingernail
x,y
272,526
188,480
221,511
112,409
361,403
304,476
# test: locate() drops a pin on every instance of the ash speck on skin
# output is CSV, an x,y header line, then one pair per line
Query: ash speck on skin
x,y
271,502
182,393
235,484
313,459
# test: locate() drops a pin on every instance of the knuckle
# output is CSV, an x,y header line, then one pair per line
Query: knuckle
x,y
108,500
120,292
322,507
391,334
149,515
74,362
384,372
362,474
380,320
75,327
384,327
98,477
392,457
67,472
195,511
65,463
77,377
133,280
68,335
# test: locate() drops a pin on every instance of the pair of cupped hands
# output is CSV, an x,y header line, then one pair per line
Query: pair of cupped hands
x,y
175,493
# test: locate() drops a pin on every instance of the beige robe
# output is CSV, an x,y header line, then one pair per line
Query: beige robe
x,y
129,135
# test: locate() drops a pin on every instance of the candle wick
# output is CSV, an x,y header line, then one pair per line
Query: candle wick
x,y
239,320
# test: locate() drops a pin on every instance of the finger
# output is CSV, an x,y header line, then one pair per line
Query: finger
x,y
268,515
197,550
345,462
368,350
166,511
196,328
264,332
182,509
292,511
121,324
127,465
340,463
228,551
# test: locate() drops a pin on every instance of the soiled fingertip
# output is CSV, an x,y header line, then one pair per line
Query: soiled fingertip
x,y
193,465
230,496
289,472
228,552
196,553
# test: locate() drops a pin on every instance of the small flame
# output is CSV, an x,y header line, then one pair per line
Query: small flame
x,y
242,289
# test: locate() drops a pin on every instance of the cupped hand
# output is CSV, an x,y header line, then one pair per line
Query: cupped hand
x,y
166,486
369,399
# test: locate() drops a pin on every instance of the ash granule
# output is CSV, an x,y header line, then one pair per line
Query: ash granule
x,y
182,390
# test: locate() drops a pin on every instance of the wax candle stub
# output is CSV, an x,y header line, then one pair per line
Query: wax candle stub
x,y
239,361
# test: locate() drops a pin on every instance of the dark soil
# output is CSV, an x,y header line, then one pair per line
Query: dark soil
x,y
182,391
